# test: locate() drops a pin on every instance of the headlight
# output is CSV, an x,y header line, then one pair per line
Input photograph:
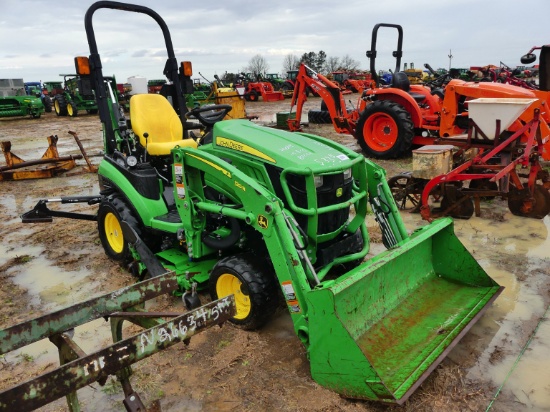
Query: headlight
x,y
131,161
347,174
318,181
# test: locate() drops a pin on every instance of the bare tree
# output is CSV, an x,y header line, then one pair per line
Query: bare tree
x,y
348,63
331,64
257,65
290,62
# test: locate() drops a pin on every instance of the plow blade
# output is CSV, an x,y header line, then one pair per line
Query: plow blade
x,y
377,332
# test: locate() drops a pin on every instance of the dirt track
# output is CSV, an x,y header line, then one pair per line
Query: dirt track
x,y
48,266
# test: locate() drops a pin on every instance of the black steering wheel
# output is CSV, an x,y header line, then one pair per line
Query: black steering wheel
x,y
209,115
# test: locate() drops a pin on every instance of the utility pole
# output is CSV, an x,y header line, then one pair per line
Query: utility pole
x,y
450,56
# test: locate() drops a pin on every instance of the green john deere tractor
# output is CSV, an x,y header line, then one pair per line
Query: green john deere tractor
x,y
76,95
275,80
262,213
15,102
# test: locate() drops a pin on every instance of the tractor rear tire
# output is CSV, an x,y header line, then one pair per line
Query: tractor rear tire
x,y
254,287
385,130
112,211
319,117
47,102
72,110
60,105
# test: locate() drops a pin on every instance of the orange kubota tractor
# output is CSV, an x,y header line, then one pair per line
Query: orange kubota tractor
x,y
388,120
259,88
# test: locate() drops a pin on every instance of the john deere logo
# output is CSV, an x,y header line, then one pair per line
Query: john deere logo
x,y
262,221
339,192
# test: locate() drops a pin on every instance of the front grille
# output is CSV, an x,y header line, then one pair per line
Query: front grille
x,y
334,190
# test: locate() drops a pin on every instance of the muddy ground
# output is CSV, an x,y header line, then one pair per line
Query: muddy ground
x,y
44,267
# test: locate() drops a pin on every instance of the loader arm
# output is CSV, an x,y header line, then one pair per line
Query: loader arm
x,y
384,207
258,208
342,120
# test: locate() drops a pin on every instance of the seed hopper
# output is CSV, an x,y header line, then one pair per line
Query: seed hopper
x,y
496,158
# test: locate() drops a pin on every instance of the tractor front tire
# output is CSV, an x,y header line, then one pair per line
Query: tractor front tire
x,y
112,211
253,96
72,110
60,105
385,130
254,287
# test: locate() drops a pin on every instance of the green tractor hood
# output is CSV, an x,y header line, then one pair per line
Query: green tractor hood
x,y
278,147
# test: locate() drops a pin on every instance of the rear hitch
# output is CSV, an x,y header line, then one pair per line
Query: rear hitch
x,y
41,213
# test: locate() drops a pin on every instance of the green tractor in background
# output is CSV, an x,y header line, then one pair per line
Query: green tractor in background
x,y
76,95
263,214
14,101
275,80
37,89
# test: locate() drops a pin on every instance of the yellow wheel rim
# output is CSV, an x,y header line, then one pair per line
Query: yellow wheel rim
x,y
70,109
113,232
228,284
56,106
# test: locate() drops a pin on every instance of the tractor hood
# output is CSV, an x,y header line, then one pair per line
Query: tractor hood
x,y
281,148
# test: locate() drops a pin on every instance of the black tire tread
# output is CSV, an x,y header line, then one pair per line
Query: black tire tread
x,y
62,103
47,104
319,117
261,284
115,203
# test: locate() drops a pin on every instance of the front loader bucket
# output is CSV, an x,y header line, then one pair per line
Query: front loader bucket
x,y
378,331
273,96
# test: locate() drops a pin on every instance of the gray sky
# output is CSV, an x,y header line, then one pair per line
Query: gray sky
x,y
39,38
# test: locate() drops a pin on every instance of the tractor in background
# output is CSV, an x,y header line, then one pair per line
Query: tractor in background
x,y
339,78
261,213
76,95
287,88
37,89
389,119
256,88
154,86
275,80
416,76
358,81
15,102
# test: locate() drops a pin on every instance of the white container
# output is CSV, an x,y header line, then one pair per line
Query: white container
x,y
486,111
139,85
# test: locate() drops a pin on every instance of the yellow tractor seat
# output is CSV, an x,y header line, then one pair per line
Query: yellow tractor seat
x,y
157,124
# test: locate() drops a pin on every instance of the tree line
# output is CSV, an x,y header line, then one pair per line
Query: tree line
x,y
319,62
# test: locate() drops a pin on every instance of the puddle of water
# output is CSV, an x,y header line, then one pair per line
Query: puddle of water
x,y
529,382
48,286
515,252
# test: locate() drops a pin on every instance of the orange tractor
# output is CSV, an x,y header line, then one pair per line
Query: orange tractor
x,y
388,120
357,82
256,89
